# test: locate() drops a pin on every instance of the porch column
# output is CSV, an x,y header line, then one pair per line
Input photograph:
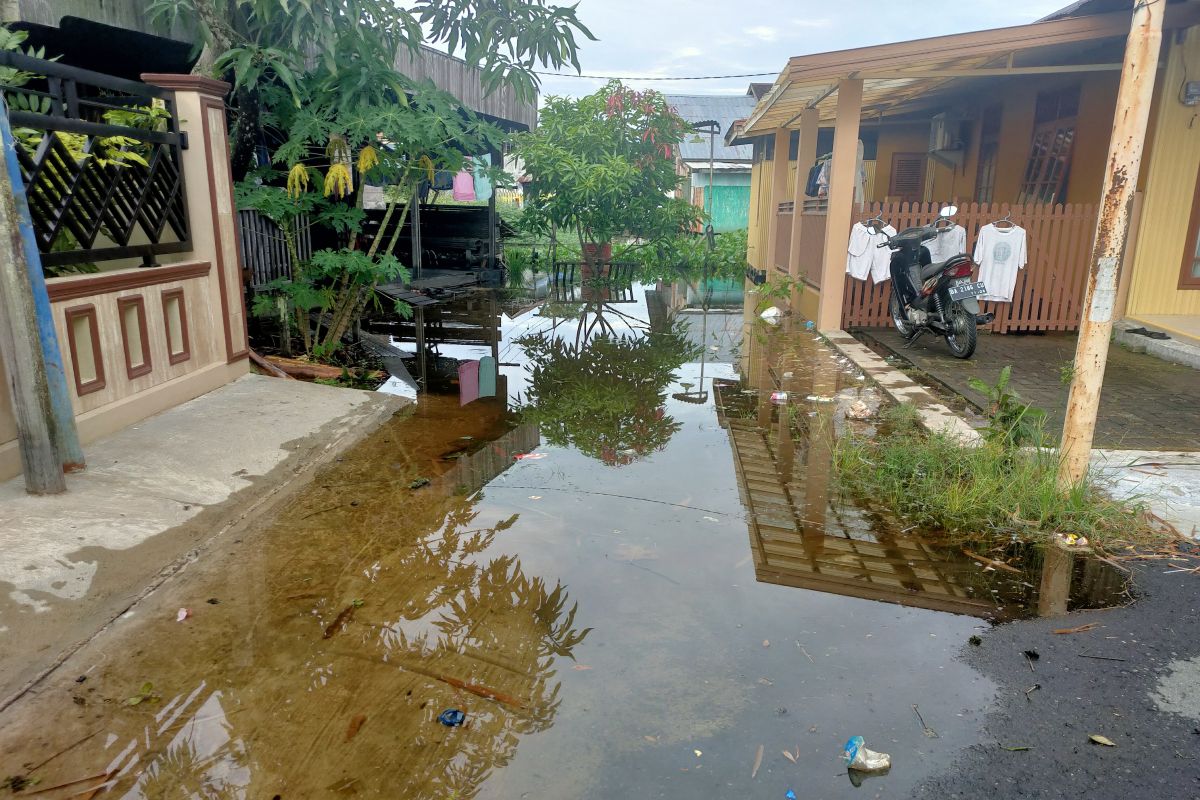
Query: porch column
x,y
806,155
841,203
212,219
779,174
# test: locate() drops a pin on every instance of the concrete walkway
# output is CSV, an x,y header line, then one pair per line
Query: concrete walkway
x,y
152,496
1146,404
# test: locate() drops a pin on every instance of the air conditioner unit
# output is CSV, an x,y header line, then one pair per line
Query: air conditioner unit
x,y
945,140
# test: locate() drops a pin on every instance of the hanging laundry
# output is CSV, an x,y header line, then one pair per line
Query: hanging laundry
x,y
464,187
823,180
812,185
865,257
951,241
483,185
1000,252
443,180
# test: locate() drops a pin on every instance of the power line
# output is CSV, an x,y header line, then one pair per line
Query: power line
x,y
656,78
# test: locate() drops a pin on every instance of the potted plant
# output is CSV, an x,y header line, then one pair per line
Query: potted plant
x,y
603,168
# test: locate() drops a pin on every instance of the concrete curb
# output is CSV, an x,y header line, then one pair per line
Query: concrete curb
x,y
935,415
1173,350
243,509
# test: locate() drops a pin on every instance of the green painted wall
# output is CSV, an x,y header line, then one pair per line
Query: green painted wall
x,y
730,207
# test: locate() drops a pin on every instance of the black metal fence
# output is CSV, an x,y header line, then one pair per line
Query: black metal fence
x,y
100,157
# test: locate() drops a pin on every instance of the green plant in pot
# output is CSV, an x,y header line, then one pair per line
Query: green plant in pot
x,y
602,168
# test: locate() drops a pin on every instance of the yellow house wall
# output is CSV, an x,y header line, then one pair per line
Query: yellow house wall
x,y
1170,181
760,201
903,138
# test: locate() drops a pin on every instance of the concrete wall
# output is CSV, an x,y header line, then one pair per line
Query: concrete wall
x,y
139,341
1170,176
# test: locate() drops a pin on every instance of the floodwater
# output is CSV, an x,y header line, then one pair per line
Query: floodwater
x,y
630,590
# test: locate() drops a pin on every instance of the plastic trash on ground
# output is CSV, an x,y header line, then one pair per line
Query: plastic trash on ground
x,y
771,315
856,756
779,398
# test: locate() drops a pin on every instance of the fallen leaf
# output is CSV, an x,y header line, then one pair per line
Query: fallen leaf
x,y
581,667
650,738
1104,740
757,762
183,614
1017,749
789,756
766,642
766,682
1032,655
1079,629
356,722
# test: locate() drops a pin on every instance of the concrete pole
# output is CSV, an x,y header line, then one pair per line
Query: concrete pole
x,y
21,351
66,436
1112,229
779,175
806,156
842,179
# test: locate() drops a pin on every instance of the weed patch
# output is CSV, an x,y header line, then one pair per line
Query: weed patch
x,y
987,493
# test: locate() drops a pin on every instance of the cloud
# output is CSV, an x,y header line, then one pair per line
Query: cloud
x,y
763,32
688,52
822,22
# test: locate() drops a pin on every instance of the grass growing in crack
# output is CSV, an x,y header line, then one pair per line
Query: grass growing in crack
x,y
984,493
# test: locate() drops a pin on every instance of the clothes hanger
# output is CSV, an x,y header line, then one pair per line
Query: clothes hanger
x,y
1006,220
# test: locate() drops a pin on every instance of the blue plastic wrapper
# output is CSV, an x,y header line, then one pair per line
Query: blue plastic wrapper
x,y
451,717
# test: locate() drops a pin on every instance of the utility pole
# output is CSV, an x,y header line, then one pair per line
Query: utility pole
x,y
66,435
1112,228
20,343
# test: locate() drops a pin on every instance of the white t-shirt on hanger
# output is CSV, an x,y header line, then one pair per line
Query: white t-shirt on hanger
x,y
865,257
1000,252
951,241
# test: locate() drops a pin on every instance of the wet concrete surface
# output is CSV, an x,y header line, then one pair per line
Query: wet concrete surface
x,y
615,622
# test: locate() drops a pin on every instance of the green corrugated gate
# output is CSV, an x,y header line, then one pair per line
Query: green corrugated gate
x,y
731,207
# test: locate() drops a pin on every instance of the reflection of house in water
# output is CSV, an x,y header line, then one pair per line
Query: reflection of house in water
x,y
803,536
476,470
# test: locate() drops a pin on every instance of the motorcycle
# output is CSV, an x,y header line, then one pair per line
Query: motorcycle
x,y
933,297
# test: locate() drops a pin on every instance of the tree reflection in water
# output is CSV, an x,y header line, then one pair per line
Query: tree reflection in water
x,y
339,639
605,393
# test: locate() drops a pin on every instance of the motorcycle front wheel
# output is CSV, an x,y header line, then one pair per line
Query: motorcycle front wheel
x,y
903,326
962,337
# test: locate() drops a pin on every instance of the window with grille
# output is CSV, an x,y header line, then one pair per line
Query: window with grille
x,y
989,149
1049,163
1189,276
907,181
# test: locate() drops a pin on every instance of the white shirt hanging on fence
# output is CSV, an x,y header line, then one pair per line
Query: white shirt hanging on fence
x,y
1000,252
951,241
865,257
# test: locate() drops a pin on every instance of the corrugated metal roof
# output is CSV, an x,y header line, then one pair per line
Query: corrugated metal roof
x,y
724,109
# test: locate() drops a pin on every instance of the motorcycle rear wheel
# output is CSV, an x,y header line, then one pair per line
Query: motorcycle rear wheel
x,y
963,336
903,326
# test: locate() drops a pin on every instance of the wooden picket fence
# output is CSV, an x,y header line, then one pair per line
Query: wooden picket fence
x,y
1049,291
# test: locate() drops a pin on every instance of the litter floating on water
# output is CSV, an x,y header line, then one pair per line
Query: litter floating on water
x,y
183,614
856,756
778,398
451,717
528,456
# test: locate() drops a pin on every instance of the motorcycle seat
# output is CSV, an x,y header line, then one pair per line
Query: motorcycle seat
x,y
930,270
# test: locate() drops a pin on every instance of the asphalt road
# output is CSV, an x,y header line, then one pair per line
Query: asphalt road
x,y
1143,695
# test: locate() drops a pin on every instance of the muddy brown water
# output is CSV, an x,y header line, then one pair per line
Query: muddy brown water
x,y
613,622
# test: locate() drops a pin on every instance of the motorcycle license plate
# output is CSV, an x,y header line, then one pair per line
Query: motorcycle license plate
x,y
964,291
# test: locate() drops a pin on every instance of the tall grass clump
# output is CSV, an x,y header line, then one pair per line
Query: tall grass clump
x,y
989,492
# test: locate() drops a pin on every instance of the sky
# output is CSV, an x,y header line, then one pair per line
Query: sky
x,y
672,38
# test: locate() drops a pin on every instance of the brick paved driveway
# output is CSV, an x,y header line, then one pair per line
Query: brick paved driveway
x,y
1146,404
